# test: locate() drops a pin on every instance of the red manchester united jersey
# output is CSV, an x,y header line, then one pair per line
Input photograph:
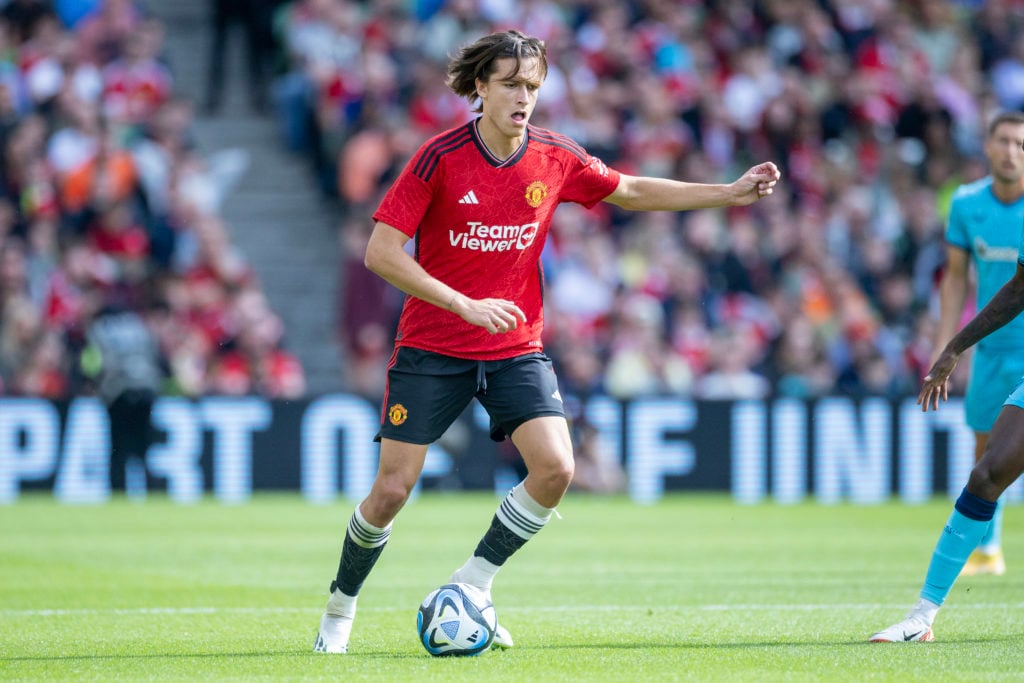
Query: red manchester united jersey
x,y
480,224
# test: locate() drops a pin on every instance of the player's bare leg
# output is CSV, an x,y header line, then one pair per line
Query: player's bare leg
x,y
368,531
546,448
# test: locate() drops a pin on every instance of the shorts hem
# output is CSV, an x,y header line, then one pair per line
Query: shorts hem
x,y
501,432
412,441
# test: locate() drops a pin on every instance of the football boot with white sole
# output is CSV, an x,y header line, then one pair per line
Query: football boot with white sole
x,y
502,639
913,629
333,635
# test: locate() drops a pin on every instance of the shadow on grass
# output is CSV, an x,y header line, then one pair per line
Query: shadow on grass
x,y
561,646
206,655
770,644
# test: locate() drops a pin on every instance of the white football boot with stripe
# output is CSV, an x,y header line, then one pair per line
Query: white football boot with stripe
x,y
336,624
333,635
913,629
502,638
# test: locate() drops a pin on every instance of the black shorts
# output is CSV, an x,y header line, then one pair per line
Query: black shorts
x,y
427,391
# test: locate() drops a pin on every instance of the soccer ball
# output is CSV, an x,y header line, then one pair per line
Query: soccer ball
x,y
456,619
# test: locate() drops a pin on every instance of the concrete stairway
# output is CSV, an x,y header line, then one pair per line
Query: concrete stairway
x,y
275,214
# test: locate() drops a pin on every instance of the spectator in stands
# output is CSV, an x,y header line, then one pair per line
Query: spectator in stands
x,y
364,163
255,362
18,333
367,316
160,156
42,254
136,84
22,148
122,358
74,290
579,262
257,365
77,137
640,361
24,16
596,470
187,349
1008,78
104,30
115,233
46,371
14,282
255,18
105,177
799,363
731,375
215,257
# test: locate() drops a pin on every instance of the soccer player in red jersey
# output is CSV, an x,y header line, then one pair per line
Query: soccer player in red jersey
x,y
479,200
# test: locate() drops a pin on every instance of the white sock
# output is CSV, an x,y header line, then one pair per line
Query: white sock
x,y
521,514
925,609
341,605
477,572
521,496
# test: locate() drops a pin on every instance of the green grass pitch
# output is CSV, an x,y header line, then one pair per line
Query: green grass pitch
x,y
694,588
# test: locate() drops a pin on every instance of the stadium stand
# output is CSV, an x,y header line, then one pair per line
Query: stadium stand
x,y
107,201
874,111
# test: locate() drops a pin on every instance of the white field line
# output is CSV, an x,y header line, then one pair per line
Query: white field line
x,y
175,611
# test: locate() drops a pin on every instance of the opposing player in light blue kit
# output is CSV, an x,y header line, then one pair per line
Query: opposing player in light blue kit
x,y
984,228
973,226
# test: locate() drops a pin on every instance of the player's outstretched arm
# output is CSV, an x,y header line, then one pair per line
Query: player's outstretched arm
x,y
386,256
1007,303
952,297
642,193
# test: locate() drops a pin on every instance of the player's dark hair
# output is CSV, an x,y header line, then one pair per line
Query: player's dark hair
x,y
1014,117
478,60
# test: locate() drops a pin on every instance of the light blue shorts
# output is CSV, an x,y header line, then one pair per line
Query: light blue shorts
x,y
997,378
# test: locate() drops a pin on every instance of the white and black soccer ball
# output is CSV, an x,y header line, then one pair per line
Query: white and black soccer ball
x,y
456,619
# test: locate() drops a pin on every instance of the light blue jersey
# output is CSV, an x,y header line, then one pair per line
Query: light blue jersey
x,y
991,232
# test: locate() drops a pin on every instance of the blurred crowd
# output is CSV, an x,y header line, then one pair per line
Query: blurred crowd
x,y
107,205
875,111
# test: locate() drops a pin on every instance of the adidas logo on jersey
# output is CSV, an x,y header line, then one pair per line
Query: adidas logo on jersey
x,y
469,198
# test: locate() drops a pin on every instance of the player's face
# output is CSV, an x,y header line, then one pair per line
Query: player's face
x,y
508,99
1005,152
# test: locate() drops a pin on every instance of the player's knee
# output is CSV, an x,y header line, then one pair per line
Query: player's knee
x,y
566,471
388,496
984,482
557,472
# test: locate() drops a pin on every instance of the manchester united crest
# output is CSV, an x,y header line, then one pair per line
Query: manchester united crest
x,y
535,193
397,414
